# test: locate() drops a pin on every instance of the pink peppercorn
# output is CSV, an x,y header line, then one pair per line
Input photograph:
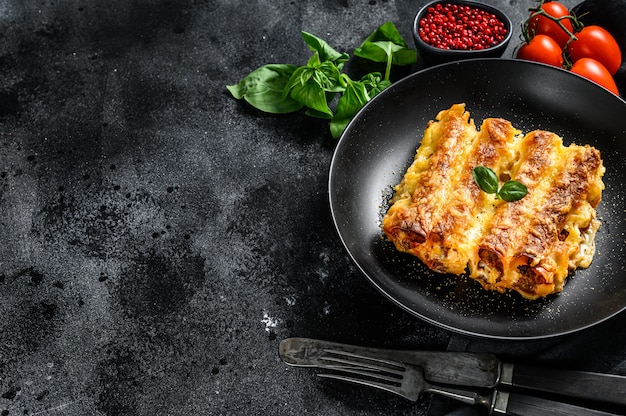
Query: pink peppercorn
x,y
460,27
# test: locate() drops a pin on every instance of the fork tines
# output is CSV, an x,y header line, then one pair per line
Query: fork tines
x,y
369,371
348,359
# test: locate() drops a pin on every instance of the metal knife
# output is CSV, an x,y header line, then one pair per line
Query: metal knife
x,y
472,369
516,404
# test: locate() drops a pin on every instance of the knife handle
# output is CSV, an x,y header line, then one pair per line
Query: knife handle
x,y
516,404
605,388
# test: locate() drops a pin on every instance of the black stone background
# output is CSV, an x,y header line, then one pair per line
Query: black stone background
x,y
159,238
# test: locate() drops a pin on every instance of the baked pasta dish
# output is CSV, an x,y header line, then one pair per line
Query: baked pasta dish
x,y
439,214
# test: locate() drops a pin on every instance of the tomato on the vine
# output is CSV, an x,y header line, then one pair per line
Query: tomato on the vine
x,y
597,43
543,25
596,72
541,48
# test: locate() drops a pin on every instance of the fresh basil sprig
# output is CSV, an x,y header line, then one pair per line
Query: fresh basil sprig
x,y
487,180
285,88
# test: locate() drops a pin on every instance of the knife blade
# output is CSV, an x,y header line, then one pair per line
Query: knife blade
x,y
480,370
516,404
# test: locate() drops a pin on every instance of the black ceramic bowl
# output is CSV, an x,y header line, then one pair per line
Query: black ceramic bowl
x,y
432,55
379,145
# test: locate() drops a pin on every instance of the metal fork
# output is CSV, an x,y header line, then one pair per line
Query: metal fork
x,y
406,380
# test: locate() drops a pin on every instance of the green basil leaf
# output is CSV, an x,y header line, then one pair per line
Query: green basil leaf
x,y
486,179
386,32
325,74
312,96
404,56
351,101
300,76
374,83
330,77
386,42
381,51
263,89
314,61
375,51
324,50
386,45
313,84
513,191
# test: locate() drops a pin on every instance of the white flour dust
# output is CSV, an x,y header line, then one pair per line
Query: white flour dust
x,y
269,321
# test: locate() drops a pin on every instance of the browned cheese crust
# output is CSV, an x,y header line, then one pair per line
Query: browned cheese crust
x,y
439,214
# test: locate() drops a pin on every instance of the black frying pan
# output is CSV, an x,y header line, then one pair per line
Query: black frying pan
x,y
379,145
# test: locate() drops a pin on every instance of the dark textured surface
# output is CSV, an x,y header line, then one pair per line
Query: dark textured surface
x,y
160,237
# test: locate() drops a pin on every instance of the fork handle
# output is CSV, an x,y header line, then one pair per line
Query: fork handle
x,y
516,404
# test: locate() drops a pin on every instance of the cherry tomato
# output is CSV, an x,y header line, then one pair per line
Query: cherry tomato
x,y
542,25
543,49
596,72
595,42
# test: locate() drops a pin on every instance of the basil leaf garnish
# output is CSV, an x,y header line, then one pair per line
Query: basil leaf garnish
x,y
487,181
513,191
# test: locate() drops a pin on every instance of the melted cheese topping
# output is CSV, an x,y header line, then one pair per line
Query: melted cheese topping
x,y
439,214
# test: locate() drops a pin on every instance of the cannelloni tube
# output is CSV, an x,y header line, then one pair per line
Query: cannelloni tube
x,y
542,259
415,222
508,226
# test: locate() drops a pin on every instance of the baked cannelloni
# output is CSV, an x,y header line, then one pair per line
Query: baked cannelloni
x,y
439,214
